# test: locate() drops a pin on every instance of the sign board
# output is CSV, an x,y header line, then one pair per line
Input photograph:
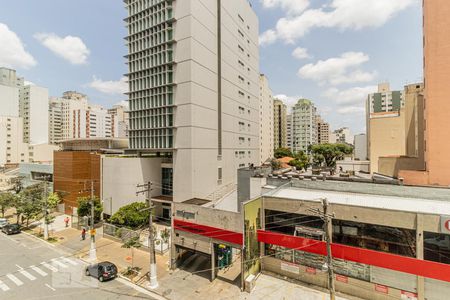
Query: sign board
x,y
381,289
445,224
41,176
341,278
291,268
408,296
311,270
92,231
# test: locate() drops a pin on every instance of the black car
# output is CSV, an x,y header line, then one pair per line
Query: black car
x,y
102,271
11,229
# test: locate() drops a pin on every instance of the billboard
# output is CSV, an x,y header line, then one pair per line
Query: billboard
x,y
252,223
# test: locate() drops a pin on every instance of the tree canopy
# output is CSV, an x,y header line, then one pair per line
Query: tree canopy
x,y
328,154
7,200
133,215
300,161
84,208
282,152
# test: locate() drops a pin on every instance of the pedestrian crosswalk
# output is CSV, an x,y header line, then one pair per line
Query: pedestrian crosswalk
x,y
22,276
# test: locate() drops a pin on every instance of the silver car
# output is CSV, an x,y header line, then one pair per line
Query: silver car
x,y
3,222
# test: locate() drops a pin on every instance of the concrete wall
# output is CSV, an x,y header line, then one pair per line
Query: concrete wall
x,y
120,175
9,101
360,150
265,120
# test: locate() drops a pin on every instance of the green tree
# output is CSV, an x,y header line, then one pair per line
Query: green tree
x,y
7,200
132,243
300,161
52,202
283,152
276,165
330,153
84,208
28,204
133,215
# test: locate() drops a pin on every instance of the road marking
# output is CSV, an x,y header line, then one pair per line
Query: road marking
x,y
14,279
50,267
39,271
55,262
27,275
3,286
73,263
50,287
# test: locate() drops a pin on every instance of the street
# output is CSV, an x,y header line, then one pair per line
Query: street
x,y
33,269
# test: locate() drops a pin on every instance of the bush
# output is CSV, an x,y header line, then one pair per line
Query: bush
x,y
133,215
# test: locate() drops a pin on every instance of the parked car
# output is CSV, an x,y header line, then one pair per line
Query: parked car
x,y
11,229
3,222
102,271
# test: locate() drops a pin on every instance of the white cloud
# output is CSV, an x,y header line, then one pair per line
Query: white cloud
x,y
12,50
290,101
123,103
71,48
110,87
350,101
267,37
292,7
338,70
341,14
300,53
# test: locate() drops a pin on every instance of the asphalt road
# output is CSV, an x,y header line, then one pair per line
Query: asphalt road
x,y
32,269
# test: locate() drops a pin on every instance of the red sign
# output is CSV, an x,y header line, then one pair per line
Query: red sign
x,y
408,296
381,289
341,278
447,225
311,270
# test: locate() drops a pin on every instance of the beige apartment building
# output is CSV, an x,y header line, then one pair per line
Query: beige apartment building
x,y
436,63
194,92
265,119
396,135
323,131
279,124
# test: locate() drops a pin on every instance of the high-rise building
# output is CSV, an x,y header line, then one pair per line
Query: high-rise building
x,y
12,148
120,112
94,122
289,131
265,119
343,136
55,125
323,131
194,91
304,131
395,136
10,85
33,109
279,124
436,63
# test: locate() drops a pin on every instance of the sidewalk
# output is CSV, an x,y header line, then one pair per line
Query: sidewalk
x,y
184,284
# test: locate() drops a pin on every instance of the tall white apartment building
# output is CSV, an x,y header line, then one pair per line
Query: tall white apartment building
x,y
10,86
55,126
33,109
265,119
94,122
304,123
194,91
289,131
123,119
12,148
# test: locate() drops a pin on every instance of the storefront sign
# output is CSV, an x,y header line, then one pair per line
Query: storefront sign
x,y
341,278
291,268
311,270
381,289
408,296
445,224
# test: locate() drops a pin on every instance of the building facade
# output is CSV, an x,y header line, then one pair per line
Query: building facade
x,y
266,133
289,131
323,131
33,109
120,112
279,124
194,90
10,86
94,122
12,148
360,147
304,125
55,124
436,64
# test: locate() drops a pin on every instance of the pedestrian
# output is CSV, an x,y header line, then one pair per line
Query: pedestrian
x,y
83,234
66,220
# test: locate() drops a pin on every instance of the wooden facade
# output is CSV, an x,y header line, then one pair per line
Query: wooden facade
x,y
73,172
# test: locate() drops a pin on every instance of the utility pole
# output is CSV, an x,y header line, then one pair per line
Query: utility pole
x,y
328,227
93,250
147,188
45,211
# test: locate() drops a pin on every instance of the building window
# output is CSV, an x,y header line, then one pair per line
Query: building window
x,y
219,173
436,247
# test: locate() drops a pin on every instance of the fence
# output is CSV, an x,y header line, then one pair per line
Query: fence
x,y
123,234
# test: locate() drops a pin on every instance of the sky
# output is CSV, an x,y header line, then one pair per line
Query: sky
x,y
333,52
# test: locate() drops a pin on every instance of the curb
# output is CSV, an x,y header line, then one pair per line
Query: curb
x,y
142,289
